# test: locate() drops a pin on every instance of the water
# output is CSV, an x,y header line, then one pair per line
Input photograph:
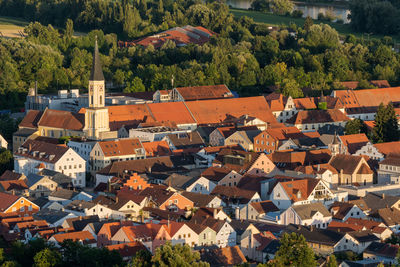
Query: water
x,y
309,9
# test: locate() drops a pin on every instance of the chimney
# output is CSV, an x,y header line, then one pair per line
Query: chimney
x,y
318,167
215,213
29,147
190,137
383,196
80,218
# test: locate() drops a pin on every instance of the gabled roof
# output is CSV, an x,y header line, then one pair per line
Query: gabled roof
x,y
62,120
178,181
389,216
276,101
31,119
84,236
382,249
316,235
388,148
238,160
300,189
204,92
305,103
171,111
50,215
186,140
50,153
318,116
156,148
354,142
10,185
121,147
307,211
63,193
263,207
148,230
228,256
233,192
215,173
341,209
199,200
215,111
6,200
375,201
127,249
348,163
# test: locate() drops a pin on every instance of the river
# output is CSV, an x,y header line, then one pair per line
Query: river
x,y
309,9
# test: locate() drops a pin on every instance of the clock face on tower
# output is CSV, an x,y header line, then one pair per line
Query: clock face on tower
x,y
91,89
100,88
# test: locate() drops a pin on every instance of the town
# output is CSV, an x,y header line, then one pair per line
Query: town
x,y
226,175
181,133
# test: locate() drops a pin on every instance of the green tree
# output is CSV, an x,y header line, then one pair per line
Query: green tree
x,y
141,259
291,88
321,37
281,7
177,255
47,258
10,264
136,85
386,127
308,22
6,160
332,261
355,126
294,251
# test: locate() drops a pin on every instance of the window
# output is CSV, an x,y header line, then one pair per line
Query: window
x,y
22,208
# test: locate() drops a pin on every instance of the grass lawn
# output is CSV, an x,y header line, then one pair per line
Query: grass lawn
x,y
10,27
276,20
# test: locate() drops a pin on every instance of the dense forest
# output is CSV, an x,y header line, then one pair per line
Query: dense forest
x,y
375,16
249,57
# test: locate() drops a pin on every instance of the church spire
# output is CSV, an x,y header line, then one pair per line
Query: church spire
x,y
96,73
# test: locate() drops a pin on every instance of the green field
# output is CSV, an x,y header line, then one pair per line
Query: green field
x,y
10,27
276,20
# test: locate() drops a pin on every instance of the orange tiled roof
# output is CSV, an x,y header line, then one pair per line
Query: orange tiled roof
x,y
31,119
157,148
13,185
6,200
368,97
217,110
62,120
171,111
204,92
276,101
388,148
304,103
304,186
120,147
354,142
318,116
85,236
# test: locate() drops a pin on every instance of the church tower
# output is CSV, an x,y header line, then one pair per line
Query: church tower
x,y
96,115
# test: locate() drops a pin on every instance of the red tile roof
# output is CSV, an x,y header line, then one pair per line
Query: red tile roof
x,y
304,186
62,120
304,103
51,153
354,142
217,110
171,111
85,236
204,92
31,119
156,148
6,200
179,35
388,148
120,147
127,249
318,116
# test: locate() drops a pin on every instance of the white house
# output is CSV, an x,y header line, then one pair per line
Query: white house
x,y
35,155
182,234
104,212
307,214
83,148
301,191
371,151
